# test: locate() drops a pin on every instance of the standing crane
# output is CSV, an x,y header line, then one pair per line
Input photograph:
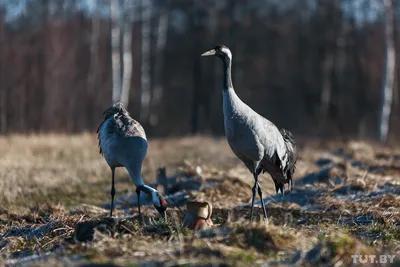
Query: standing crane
x,y
256,141
123,143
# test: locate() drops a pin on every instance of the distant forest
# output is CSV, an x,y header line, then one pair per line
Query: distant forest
x,y
316,67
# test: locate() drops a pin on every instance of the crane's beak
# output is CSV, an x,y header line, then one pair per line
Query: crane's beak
x,y
209,53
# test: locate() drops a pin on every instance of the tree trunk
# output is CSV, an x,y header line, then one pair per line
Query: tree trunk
x,y
196,71
127,63
115,50
3,111
326,93
3,89
161,41
94,50
93,67
389,71
145,58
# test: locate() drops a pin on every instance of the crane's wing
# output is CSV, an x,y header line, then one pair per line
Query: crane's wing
x,y
274,144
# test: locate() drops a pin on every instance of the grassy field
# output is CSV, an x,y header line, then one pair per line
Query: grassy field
x,y
346,202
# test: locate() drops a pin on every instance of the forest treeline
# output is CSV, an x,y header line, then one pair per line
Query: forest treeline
x,y
315,67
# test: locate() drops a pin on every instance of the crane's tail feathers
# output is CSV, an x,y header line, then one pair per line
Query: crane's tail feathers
x,y
292,155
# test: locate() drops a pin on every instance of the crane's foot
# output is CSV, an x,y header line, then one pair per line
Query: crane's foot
x,y
140,219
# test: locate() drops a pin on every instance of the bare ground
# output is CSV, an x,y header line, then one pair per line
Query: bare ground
x,y
55,198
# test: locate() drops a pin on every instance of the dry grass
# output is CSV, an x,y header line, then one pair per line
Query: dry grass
x,y
52,183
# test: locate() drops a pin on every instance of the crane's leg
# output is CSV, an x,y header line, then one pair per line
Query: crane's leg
x,y
262,202
252,198
138,199
256,172
112,190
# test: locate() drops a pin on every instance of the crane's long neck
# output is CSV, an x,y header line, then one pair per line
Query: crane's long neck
x,y
134,169
231,102
134,173
227,69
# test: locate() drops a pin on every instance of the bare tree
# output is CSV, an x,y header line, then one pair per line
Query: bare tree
x,y
3,90
127,61
330,60
127,66
94,50
326,93
161,41
92,78
196,27
145,58
115,50
389,72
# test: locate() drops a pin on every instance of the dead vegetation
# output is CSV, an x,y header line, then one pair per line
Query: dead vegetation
x,y
55,195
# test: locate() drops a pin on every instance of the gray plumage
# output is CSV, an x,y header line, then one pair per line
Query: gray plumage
x,y
122,141
256,141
